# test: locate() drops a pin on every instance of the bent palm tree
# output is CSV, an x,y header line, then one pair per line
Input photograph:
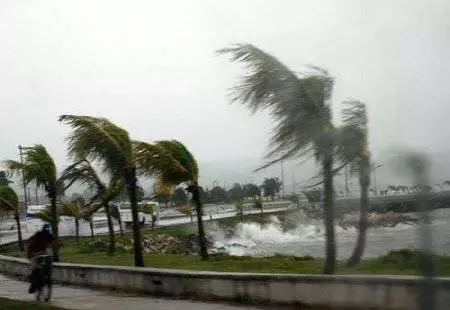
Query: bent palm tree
x,y
115,214
171,163
39,167
300,106
75,210
98,139
87,215
353,149
85,174
9,202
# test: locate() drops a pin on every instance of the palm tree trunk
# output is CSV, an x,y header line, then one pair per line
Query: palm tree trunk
x,y
19,232
77,229
330,245
132,187
120,224
54,213
112,240
364,180
91,226
201,229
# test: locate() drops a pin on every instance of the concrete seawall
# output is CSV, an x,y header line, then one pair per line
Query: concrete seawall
x,y
332,292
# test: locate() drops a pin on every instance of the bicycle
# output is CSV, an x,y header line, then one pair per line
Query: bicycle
x,y
41,276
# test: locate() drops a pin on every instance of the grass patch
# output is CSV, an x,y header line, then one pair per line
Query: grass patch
x,y
94,251
25,305
403,262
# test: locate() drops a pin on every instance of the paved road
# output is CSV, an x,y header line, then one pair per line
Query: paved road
x,y
84,299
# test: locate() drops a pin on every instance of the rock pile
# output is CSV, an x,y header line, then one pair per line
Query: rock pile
x,y
157,244
161,244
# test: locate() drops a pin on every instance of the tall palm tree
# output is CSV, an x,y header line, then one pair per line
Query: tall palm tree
x,y
300,107
171,163
98,139
39,167
353,149
9,202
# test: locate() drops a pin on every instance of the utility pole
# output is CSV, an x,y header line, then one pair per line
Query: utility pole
x,y
25,197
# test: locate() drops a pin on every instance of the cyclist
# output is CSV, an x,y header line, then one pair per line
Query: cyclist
x,y
37,254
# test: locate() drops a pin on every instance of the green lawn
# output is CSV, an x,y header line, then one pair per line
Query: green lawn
x,y
9,304
94,251
389,264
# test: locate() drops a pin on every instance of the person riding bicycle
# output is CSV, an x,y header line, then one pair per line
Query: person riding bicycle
x,y
37,253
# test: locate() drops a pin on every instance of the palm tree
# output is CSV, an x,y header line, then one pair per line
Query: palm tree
x,y
9,202
353,149
98,139
75,210
300,106
115,214
39,167
87,215
171,163
84,173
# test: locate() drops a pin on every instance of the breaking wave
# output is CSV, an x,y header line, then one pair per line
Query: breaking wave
x,y
250,238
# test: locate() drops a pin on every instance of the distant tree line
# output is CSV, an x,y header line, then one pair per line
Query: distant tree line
x,y
270,188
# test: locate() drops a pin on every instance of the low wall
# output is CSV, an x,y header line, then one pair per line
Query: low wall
x,y
332,292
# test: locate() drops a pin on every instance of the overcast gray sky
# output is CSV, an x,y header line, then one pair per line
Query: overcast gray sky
x,y
150,67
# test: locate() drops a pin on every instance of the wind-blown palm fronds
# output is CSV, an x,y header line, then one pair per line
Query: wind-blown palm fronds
x,y
300,107
9,202
171,164
85,174
352,136
298,103
353,150
39,167
99,140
